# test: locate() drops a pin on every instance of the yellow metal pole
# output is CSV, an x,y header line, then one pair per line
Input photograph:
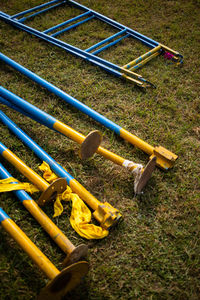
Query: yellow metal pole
x,y
61,282
142,57
131,166
73,253
165,159
80,138
25,243
143,62
48,190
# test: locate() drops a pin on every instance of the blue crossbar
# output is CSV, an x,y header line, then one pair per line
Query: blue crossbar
x,y
72,26
110,44
36,8
105,41
40,12
66,22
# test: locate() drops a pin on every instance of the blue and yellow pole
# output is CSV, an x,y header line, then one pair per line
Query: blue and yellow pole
x,y
104,213
73,253
48,190
165,159
60,282
42,117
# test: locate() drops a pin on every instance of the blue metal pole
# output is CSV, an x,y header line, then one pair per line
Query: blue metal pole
x,y
3,215
9,104
29,109
60,171
67,98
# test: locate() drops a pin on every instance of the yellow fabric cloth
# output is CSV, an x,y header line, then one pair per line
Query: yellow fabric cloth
x,y
80,215
6,185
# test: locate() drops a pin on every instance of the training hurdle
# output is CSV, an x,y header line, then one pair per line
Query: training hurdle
x,y
89,145
90,54
165,159
73,254
61,282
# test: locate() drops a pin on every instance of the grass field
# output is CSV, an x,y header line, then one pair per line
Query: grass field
x,y
154,252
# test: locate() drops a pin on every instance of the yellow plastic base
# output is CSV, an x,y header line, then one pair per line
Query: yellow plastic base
x,y
106,215
165,158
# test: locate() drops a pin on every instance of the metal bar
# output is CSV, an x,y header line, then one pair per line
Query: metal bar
x,y
105,41
72,26
35,8
40,12
73,253
110,44
143,62
66,22
106,65
61,282
142,57
163,162
104,213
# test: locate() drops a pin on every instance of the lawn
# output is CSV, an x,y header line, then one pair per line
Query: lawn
x,y
153,253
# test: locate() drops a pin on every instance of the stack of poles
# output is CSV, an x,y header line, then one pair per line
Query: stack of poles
x,y
40,116
73,253
165,158
60,282
106,215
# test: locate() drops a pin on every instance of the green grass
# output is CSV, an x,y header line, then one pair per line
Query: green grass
x,y
154,252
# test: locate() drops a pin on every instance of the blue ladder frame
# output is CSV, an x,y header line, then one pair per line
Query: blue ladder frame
x,y
90,54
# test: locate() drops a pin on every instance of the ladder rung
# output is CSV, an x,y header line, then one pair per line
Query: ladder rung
x,y
66,22
140,58
35,8
40,12
105,41
72,26
144,61
110,44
